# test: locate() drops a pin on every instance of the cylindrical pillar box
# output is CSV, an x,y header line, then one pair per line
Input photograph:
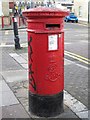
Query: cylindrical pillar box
x,y
46,60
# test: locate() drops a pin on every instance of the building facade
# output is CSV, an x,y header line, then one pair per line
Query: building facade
x,y
80,8
66,3
4,11
89,12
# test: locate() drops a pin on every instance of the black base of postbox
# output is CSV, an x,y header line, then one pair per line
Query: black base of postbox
x,y
46,106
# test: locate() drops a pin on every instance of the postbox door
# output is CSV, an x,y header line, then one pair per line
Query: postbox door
x,y
46,61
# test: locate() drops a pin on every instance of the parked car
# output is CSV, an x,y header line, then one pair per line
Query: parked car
x,y
72,17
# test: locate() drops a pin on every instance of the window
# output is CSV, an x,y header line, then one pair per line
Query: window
x,y
80,10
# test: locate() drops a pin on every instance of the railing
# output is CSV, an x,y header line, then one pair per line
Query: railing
x,y
6,22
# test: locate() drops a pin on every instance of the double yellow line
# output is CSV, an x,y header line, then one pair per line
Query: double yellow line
x,y
77,57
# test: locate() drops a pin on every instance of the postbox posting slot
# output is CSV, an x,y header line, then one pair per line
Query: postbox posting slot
x,y
52,26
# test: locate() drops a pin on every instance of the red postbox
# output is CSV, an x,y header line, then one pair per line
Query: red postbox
x,y
45,60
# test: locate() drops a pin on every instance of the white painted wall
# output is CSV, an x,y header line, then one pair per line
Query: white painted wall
x,y
5,8
0,11
0,8
84,9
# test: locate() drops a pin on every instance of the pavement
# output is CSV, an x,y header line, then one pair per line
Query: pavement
x,y
11,27
14,87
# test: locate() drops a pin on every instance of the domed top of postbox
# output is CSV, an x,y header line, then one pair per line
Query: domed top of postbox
x,y
45,12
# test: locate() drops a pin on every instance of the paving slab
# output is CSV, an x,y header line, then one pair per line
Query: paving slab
x,y
83,114
18,58
6,95
20,90
25,66
24,55
1,78
4,87
15,111
17,75
0,113
8,98
8,63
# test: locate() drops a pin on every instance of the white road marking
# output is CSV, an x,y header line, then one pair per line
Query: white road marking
x,y
79,59
83,24
65,29
67,43
84,41
83,66
78,64
67,62
81,35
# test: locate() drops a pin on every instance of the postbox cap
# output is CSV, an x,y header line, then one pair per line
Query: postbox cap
x,y
45,12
